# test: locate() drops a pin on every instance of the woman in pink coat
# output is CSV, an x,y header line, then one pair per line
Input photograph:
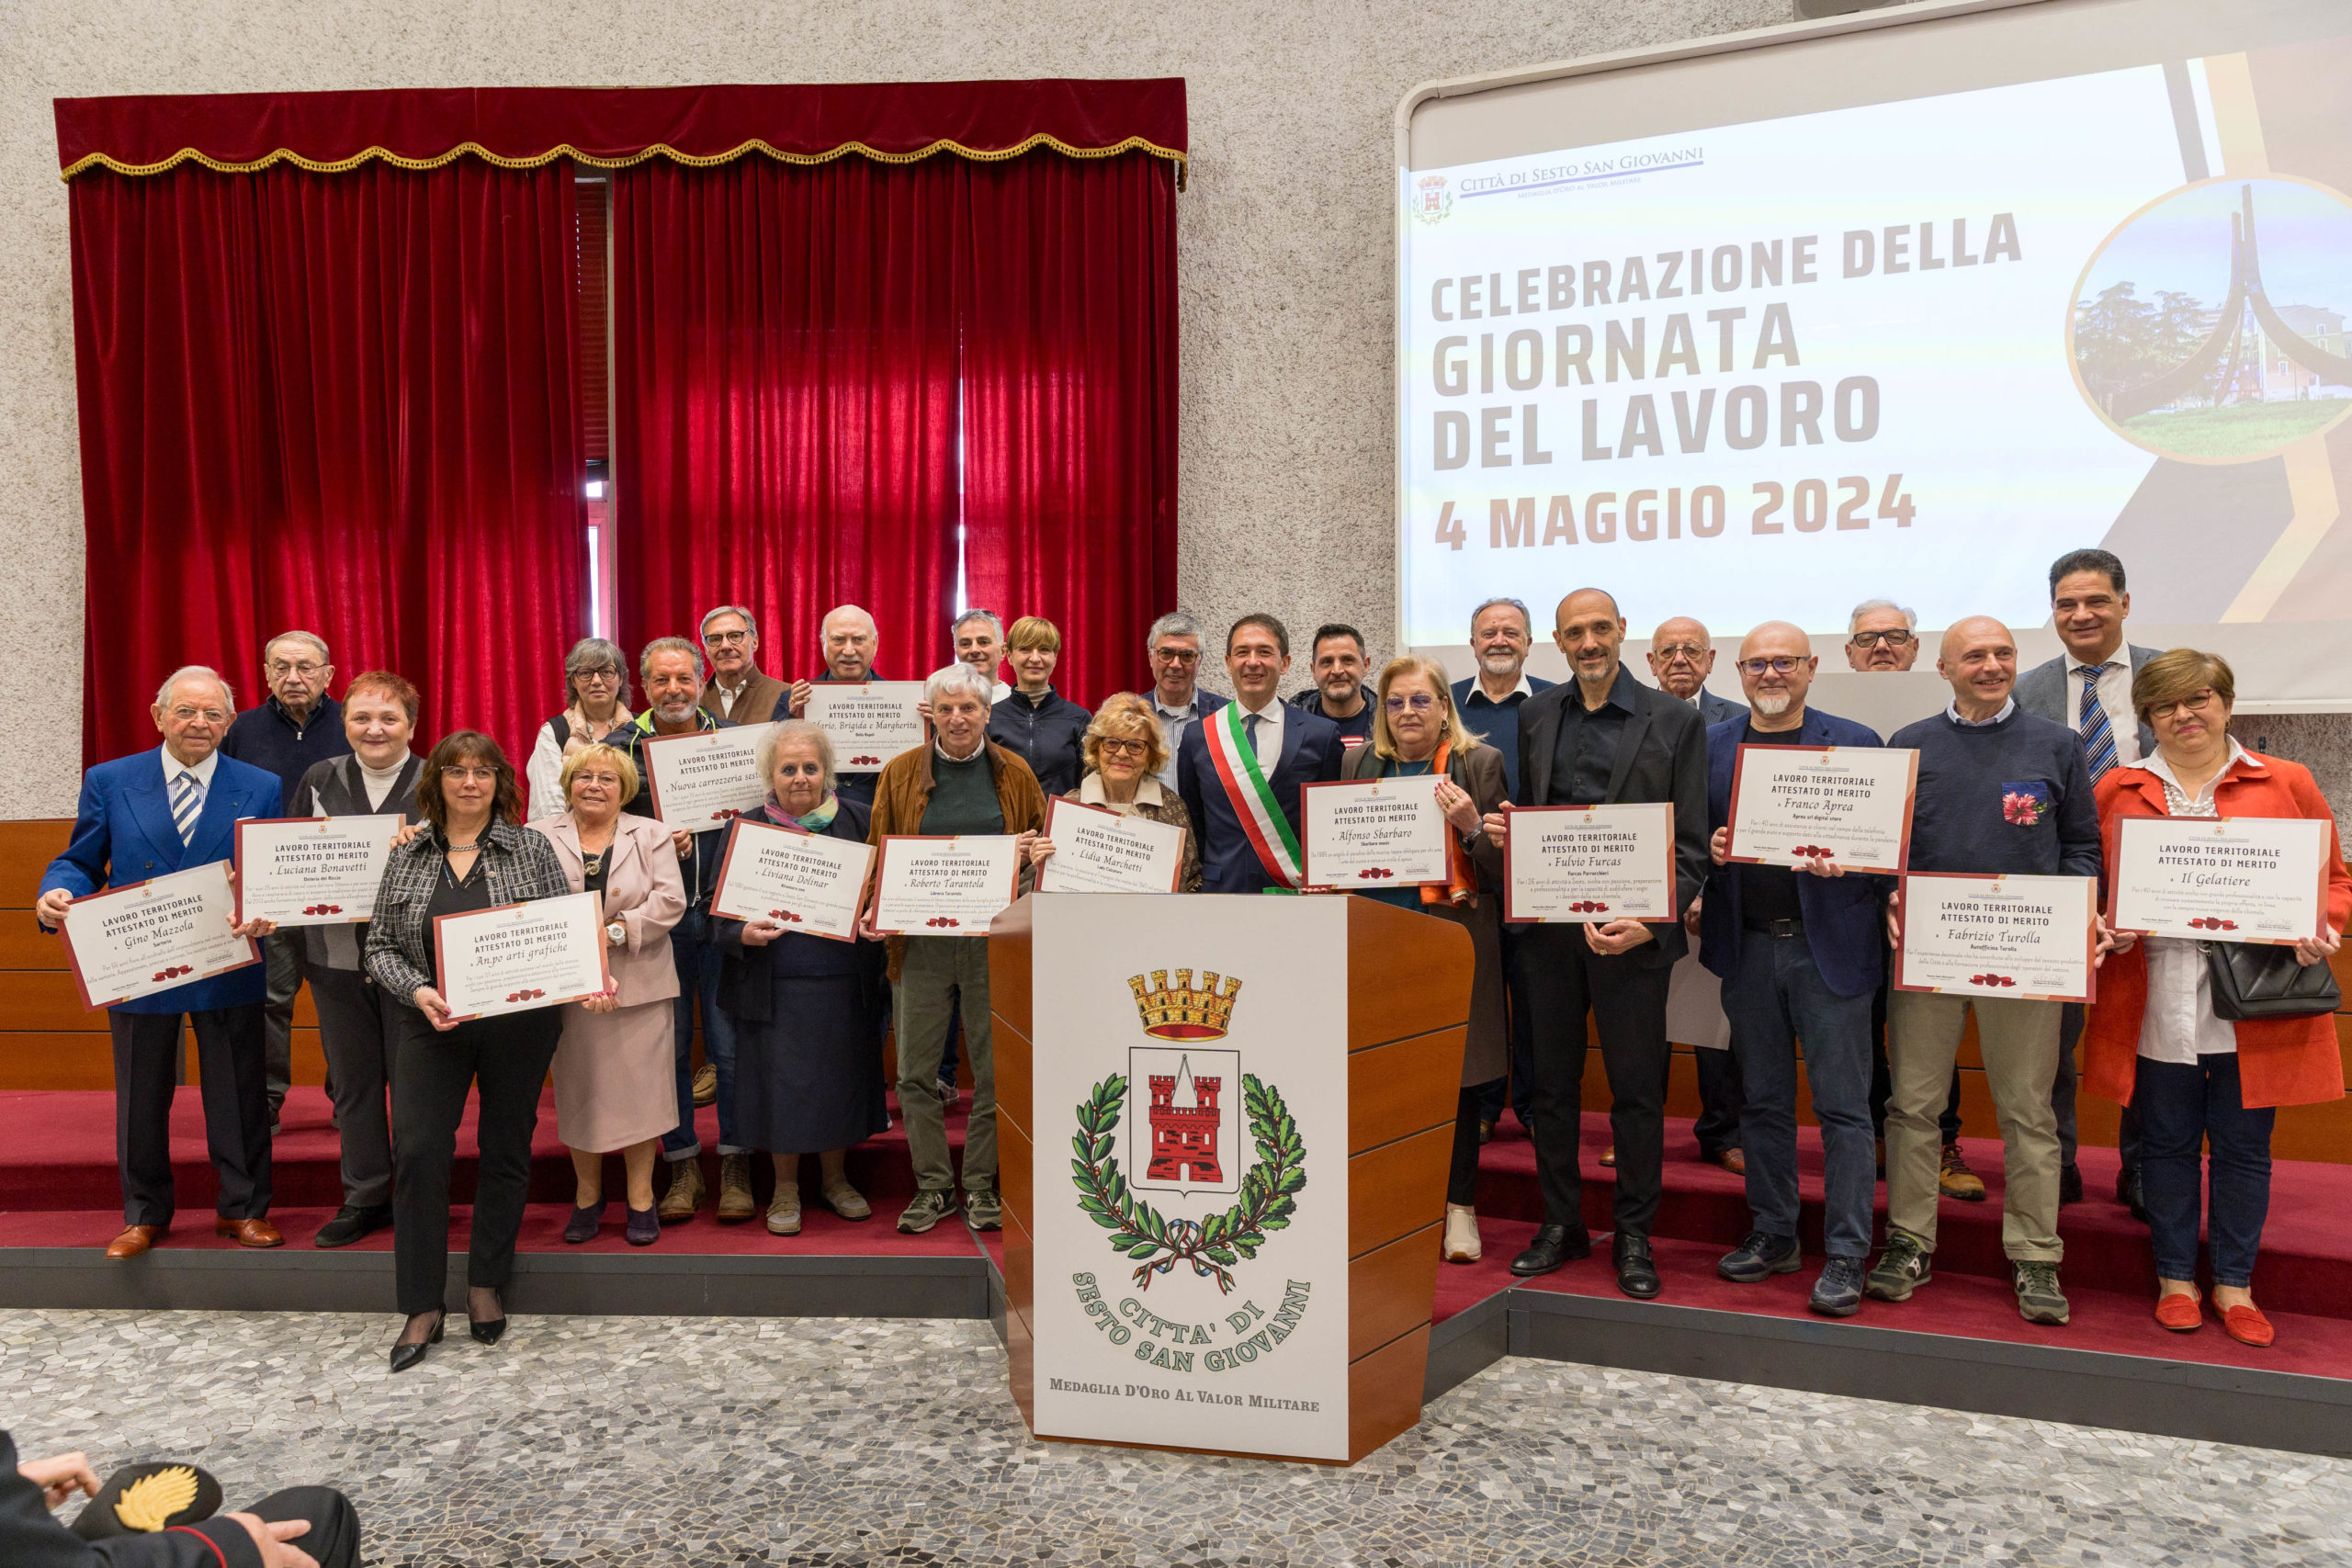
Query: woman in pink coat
x,y
616,1082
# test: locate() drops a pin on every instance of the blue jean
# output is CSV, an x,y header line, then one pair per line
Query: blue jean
x,y
2180,1108
1775,999
699,959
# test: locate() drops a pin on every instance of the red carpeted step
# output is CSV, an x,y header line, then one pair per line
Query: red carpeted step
x,y
57,1152
2306,1264
823,1233
1973,1307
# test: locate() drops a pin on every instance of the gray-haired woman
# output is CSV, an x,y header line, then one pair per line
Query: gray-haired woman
x,y
596,703
807,1010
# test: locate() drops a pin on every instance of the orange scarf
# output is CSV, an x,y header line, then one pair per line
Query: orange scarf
x,y
1461,881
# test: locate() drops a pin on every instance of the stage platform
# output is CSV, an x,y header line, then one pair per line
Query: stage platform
x,y
1959,1344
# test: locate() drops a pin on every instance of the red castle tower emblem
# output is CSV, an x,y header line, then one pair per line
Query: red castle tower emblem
x,y
1184,1138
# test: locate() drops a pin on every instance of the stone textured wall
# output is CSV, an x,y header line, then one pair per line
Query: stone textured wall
x,y
1285,240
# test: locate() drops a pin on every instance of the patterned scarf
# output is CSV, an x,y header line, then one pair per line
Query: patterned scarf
x,y
817,821
1462,880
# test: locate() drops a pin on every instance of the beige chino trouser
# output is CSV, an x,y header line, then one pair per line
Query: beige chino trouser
x,y
2019,1041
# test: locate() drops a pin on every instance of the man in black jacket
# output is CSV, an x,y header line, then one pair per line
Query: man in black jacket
x,y
1605,738
320,1517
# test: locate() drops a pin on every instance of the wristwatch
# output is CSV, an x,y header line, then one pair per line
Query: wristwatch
x,y
616,934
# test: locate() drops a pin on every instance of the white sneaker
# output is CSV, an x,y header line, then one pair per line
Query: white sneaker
x,y
1462,1234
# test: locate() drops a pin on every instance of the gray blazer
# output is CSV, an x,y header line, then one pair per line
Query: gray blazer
x,y
2043,691
1714,710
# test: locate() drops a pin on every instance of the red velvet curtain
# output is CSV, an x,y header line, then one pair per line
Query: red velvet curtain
x,y
800,352
784,360
346,403
1069,407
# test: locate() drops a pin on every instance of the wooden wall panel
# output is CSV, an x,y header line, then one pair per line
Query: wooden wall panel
x,y
1403,1088
1384,1392
1390,1290
1397,1189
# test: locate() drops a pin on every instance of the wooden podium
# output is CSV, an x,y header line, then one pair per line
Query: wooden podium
x,y
1404,997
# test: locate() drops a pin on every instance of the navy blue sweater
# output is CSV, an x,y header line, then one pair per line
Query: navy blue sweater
x,y
269,740
2012,797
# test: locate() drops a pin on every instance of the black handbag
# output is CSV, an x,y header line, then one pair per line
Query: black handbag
x,y
2265,982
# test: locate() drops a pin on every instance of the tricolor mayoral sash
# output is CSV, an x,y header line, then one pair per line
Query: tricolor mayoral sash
x,y
1252,797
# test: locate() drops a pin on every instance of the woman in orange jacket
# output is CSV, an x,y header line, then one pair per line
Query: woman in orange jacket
x,y
2154,1041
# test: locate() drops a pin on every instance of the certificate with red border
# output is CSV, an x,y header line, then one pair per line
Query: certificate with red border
x,y
704,780
520,956
144,936
1590,864
811,883
1387,832
1851,805
2030,937
1097,849
312,871
932,884
2260,879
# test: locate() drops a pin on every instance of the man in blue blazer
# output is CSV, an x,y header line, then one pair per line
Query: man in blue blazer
x,y
1800,955
141,817
1239,769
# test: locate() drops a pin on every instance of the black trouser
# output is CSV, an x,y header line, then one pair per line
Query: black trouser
x,y
1721,1097
289,965
230,1052
334,1535
1626,994
355,1035
508,1057
1462,1175
1883,1080
1520,1082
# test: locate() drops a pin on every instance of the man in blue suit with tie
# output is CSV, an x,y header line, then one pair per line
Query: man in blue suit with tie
x,y
142,817
1799,955
1239,770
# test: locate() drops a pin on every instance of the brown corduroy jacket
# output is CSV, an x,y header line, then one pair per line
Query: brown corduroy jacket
x,y
902,792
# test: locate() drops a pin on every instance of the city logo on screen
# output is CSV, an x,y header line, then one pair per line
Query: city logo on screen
x,y
1432,200
2209,327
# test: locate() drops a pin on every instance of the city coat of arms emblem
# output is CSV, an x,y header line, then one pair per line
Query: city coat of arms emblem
x,y
1187,1142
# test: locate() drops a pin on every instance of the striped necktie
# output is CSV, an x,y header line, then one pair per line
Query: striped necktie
x,y
2098,742
187,804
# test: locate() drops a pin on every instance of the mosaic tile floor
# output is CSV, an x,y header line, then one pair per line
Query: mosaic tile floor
x,y
591,1441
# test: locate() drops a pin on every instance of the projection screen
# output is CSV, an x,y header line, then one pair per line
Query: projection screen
x,y
1903,306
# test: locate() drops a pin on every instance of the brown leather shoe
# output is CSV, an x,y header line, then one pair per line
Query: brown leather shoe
x,y
249,1233
1608,1155
134,1240
1733,1160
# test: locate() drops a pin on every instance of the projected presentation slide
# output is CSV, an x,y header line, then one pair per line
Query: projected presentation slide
x,y
1914,349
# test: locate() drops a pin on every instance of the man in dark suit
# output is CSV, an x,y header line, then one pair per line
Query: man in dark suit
x,y
1799,954
1239,770
1605,738
141,817
1502,635
1681,657
2088,689
263,1536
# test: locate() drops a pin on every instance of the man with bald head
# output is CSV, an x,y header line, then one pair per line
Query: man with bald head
x,y
2000,792
848,638
142,817
1799,957
1605,738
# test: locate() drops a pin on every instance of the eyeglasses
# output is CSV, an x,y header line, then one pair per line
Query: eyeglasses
x,y
2195,702
210,715
1419,701
1118,747
1892,639
1689,650
724,639
598,675
308,667
1177,655
1777,666
474,776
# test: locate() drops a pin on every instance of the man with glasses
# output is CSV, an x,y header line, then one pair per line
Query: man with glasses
x,y
1800,955
1681,657
142,817
2088,689
1502,634
739,691
1174,645
1882,638
296,725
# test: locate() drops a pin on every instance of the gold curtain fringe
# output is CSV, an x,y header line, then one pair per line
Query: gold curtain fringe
x,y
564,150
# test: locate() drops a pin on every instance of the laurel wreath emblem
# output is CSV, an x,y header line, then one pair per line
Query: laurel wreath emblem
x,y
1268,1197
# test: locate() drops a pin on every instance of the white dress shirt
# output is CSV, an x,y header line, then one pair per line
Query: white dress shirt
x,y
173,768
1951,712
1267,739
2179,1024
2114,696
729,695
